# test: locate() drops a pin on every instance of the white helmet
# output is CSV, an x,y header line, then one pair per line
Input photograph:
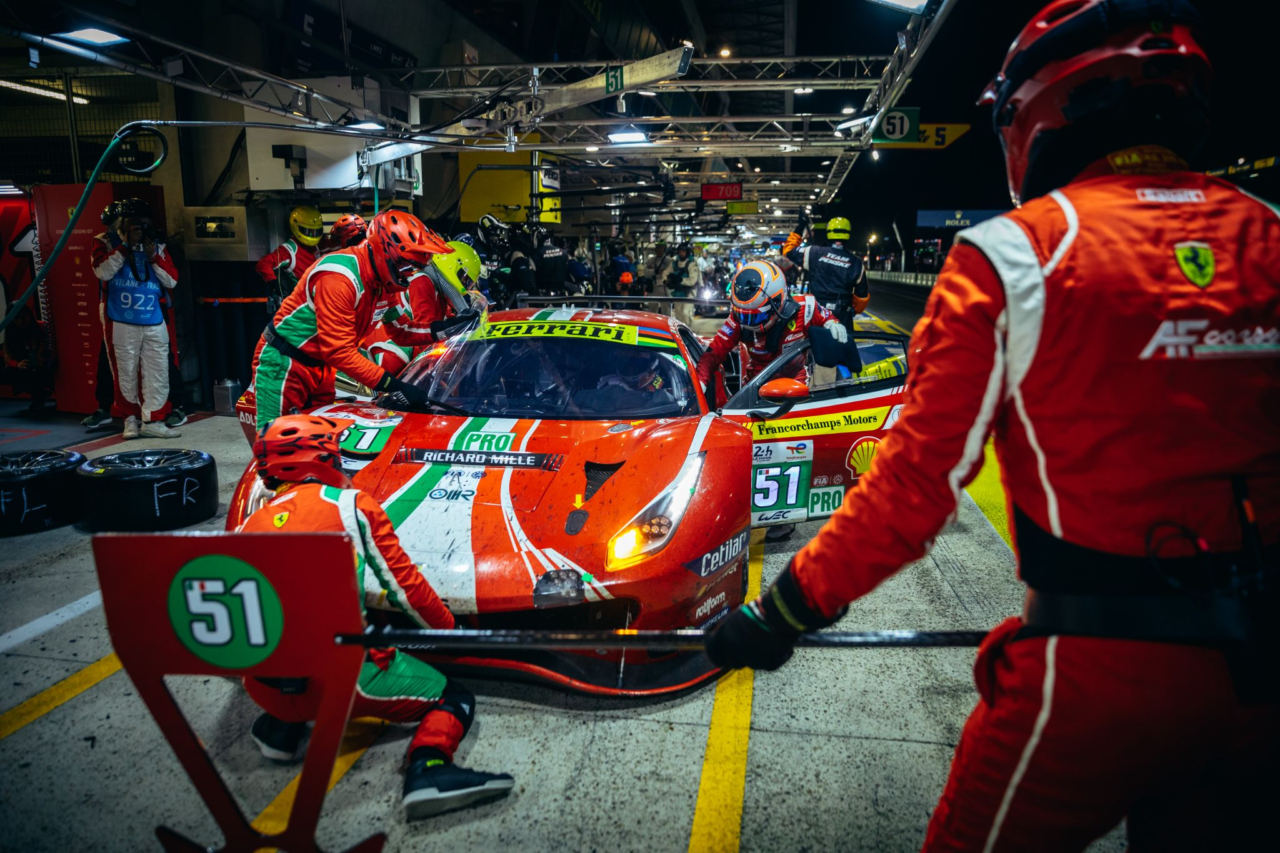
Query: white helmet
x,y
758,294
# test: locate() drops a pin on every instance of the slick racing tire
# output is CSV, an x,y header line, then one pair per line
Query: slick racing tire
x,y
38,490
149,490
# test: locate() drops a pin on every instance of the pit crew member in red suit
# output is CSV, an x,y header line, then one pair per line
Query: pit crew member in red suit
x,y
1124,319
298,457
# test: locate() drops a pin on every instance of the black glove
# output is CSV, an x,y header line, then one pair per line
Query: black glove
x,y
412,394
762,633
441,328
802,222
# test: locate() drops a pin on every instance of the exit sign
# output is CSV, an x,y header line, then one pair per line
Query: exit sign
x,y
722,192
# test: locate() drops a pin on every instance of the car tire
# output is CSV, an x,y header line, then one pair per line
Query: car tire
x,y
149,490
38,490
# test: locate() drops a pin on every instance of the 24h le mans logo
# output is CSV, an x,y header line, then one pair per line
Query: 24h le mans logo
x,y
225,611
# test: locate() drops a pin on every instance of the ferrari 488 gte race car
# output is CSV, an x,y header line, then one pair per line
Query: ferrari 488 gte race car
x,y
571,474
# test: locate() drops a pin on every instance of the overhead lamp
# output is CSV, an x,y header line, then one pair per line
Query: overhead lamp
x,y
875,155
93,36
366,125
593,148
641,182
777,212
628,135
757,168
826,163
775,182
804,90
839,135
813,198
847,111
740,165
42,92
647,93
773,201
724,51
854,122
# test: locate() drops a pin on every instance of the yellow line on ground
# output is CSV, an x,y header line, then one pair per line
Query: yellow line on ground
x,y
359,736
717,817
65,690
987,491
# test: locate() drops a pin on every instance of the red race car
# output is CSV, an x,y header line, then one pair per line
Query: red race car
x,y
570,474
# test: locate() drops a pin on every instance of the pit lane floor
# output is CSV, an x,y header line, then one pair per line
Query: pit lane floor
x,y
839,751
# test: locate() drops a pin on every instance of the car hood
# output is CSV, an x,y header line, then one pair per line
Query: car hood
x,y
488,505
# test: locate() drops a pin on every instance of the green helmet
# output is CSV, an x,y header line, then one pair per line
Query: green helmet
x,y
461,268
838,228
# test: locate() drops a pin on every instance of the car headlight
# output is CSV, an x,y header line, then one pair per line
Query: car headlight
x,y
651,528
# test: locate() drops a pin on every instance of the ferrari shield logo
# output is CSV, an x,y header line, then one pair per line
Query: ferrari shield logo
x,y
279,519
1196,261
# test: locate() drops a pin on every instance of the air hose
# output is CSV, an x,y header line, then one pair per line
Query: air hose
x,y
121,135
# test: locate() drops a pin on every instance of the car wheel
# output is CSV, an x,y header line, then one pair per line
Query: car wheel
x,y
149,490
38,490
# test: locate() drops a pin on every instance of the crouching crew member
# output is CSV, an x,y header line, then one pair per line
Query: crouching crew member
x,y
298,457
1107,332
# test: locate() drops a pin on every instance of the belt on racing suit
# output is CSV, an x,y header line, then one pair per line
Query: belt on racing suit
x,y
287,349
1198,600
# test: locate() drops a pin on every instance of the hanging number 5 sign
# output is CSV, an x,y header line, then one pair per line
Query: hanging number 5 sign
x,y
225,612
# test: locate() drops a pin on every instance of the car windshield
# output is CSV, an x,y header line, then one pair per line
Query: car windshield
x,y
566,370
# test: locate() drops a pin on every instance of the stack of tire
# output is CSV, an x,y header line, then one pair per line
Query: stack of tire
x,y
137,490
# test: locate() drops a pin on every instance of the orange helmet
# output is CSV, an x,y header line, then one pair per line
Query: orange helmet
x,y
348,230
294,448
626,278
400,243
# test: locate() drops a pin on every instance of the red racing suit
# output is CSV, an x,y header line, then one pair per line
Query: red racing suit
x,y
282,269
763,347
1119,338
402,325
392,686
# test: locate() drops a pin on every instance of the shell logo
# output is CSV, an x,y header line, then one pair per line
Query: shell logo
x,y
861,455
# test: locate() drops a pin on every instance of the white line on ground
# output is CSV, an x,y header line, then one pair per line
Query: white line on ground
x,y
49,621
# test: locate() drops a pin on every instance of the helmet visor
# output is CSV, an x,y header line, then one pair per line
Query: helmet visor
x,y
752,319
307,231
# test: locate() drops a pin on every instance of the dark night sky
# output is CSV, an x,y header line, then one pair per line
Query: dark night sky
x,y
965,56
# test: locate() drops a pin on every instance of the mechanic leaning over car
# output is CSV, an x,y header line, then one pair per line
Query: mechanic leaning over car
x,y
299,459
434,306
135,272
281,269
318,329
835,275
764,316
1117,335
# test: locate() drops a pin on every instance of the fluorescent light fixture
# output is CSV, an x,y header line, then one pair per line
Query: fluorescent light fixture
x,y
628,135
847,111
804,90
93,36
875,155
777,212
593,147
775,182
44,93
813,198
757,168
773,201
724,51
366,125
826,162
854,122
839,135
911,7
9,188
647,93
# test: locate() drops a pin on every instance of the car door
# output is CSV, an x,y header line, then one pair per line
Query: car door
x,y
805,456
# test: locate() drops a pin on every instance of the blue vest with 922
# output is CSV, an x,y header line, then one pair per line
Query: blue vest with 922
x,y
132,301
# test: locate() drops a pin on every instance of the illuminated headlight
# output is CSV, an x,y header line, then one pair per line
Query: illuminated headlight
x,y
654,525
706,294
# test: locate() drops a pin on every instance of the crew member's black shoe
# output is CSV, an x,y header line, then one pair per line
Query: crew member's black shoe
x,y
779,533
176,418
277,739
100,418
433,786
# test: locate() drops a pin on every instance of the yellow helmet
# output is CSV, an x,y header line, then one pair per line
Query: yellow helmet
x,y
461,268
306,225
838,228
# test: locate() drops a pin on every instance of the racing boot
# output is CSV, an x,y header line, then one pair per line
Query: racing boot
x,y
100,418
779,533
176,417
276,739
131,427
158,429
433,785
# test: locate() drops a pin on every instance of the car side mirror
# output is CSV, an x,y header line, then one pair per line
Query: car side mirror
x,y
784,390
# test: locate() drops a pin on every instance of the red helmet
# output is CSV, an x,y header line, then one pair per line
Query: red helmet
x,y
399,240
348,230
1086,78
294,448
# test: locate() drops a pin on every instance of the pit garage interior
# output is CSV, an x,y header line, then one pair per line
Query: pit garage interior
x,y
617,127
